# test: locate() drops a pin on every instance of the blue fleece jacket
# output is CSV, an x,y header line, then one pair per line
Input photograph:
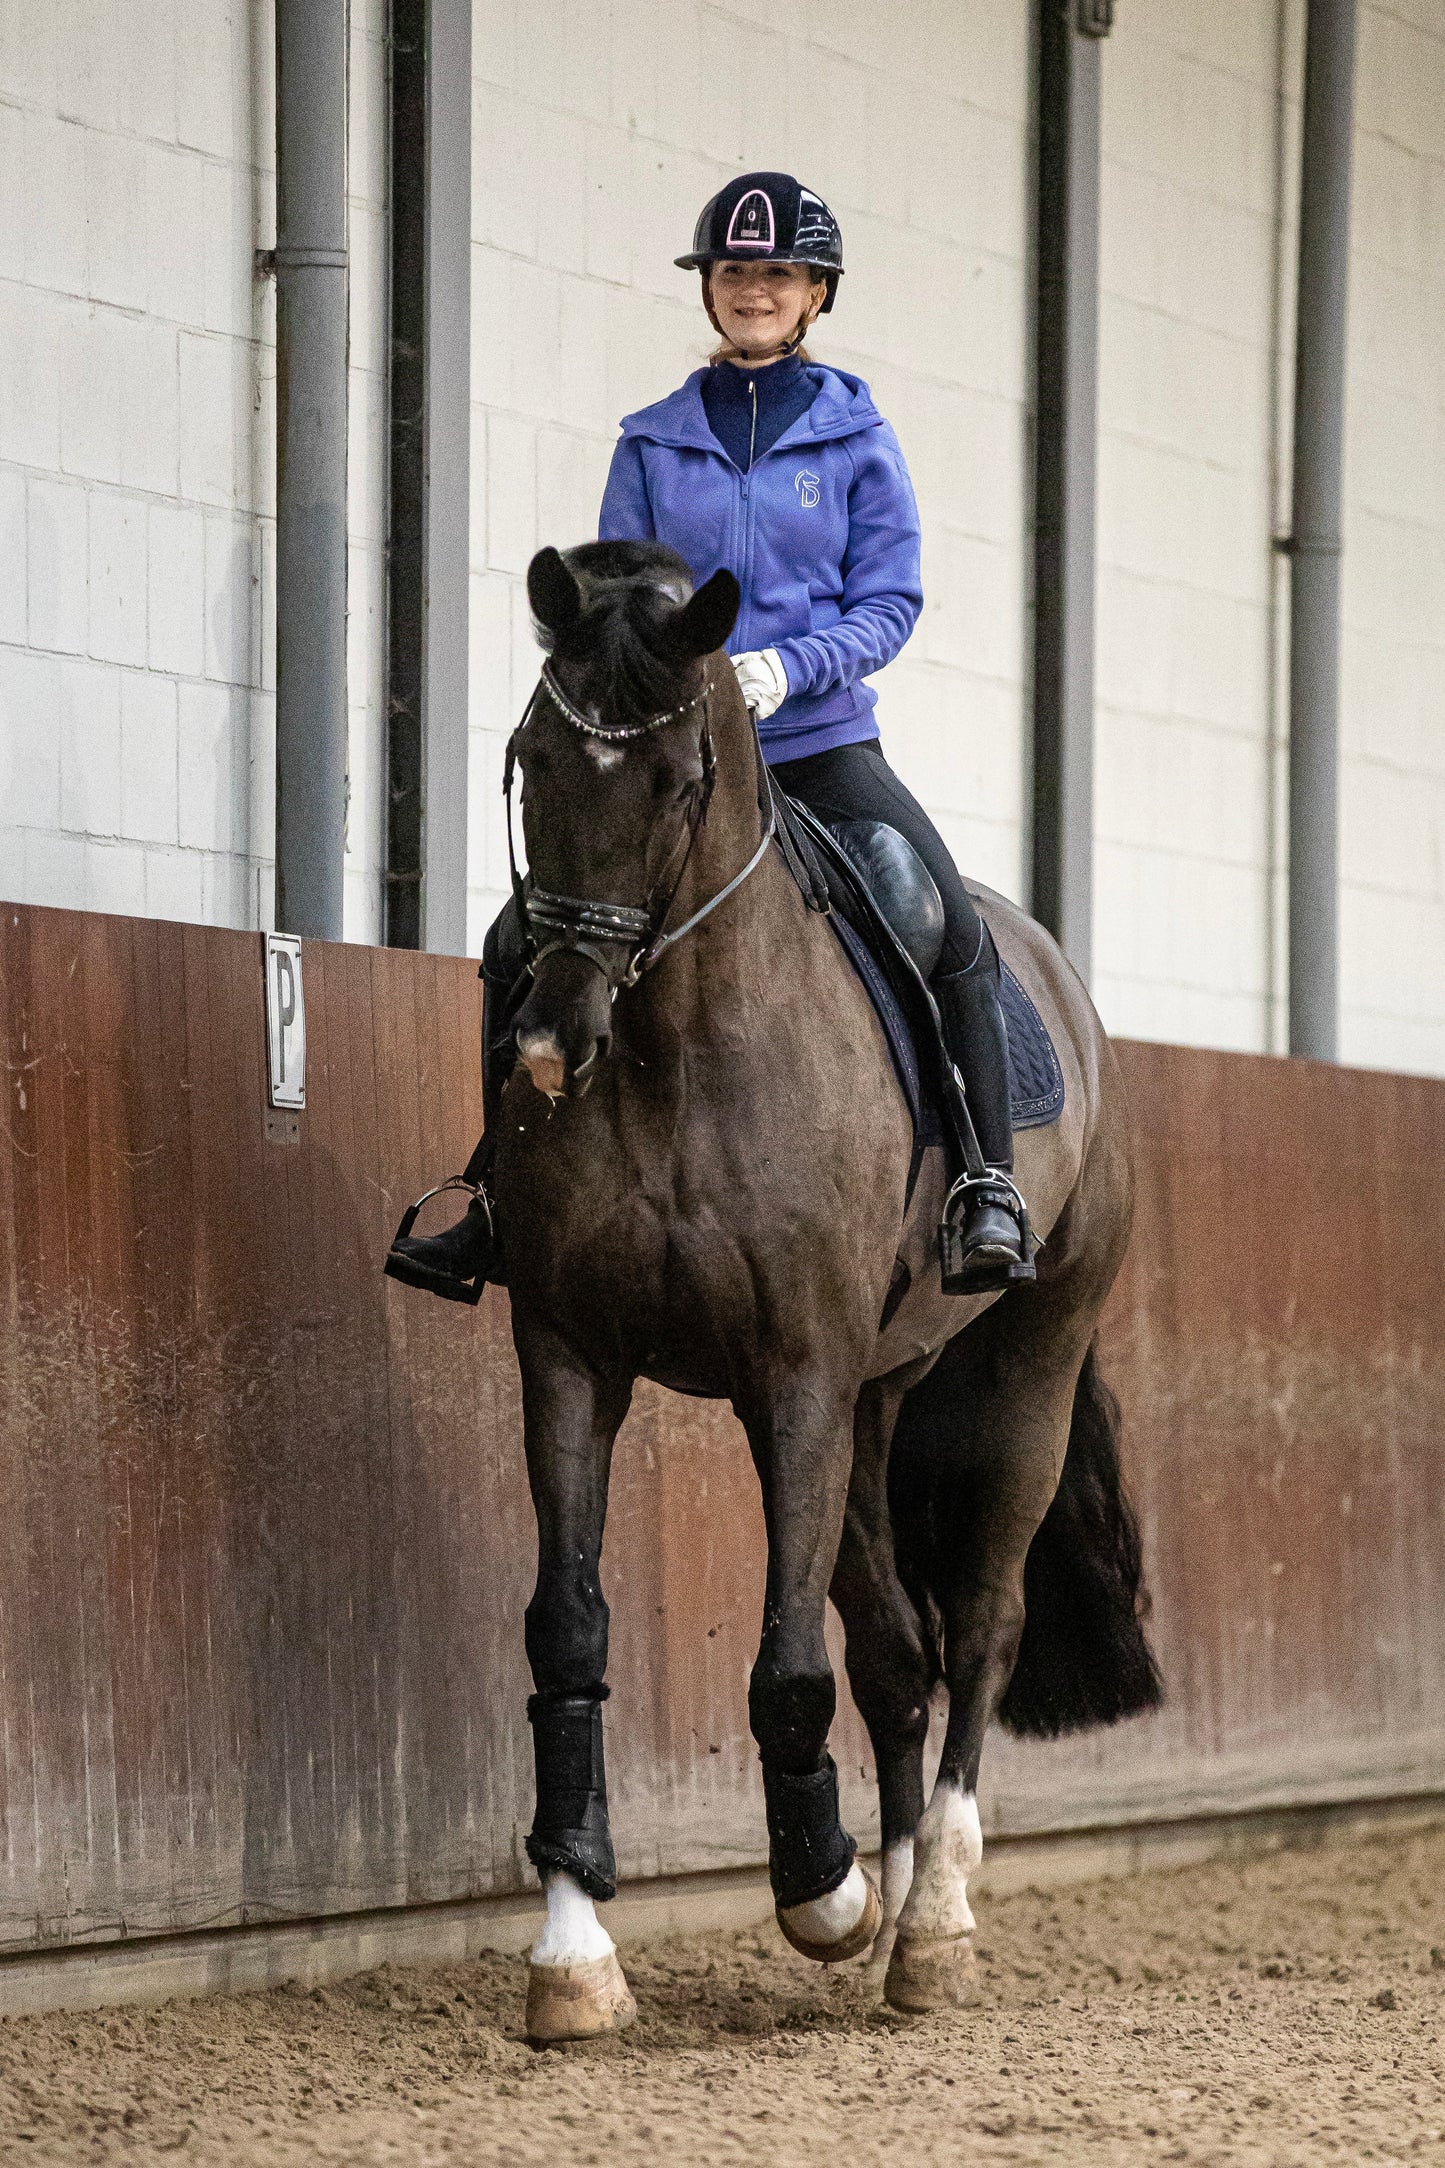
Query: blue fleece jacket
x,y
822,536
748,409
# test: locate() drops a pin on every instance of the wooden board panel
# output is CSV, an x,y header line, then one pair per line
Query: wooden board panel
x,y
266,1542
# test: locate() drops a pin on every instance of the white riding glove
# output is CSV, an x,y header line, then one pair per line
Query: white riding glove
x,y
762,680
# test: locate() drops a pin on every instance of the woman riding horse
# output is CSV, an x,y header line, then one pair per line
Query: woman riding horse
x,y
707,1173
785,472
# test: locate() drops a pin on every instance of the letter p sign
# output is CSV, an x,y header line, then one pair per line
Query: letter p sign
x,y
285,1021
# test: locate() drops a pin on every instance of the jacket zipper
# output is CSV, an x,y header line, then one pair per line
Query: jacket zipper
x,y
746,495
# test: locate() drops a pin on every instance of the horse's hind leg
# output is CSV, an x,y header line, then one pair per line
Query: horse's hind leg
x,y
891,1664
982,1443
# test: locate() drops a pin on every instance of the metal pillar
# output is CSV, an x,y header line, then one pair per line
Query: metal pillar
x,y
311,357
1315,543
1066,352
428,595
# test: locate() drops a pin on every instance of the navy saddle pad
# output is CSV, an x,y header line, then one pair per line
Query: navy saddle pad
x,y
1035,1078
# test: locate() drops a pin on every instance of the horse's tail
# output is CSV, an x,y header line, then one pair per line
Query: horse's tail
x,y
1084,1658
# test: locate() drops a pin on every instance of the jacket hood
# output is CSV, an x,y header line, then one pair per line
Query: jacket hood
x,y
844,406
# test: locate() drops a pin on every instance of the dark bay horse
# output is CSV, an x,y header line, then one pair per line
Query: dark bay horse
x,y
702,1171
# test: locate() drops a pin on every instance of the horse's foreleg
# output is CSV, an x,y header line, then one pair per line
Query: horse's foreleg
x,y
826,1905
575,1985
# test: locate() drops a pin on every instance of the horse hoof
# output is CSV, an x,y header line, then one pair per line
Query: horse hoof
x,y
578,2002
931,1973
859,1937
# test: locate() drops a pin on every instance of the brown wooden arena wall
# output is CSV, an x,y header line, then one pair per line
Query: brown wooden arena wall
x,y
265,1539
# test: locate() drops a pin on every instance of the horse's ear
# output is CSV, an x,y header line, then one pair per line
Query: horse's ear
x,y
705,622
555,597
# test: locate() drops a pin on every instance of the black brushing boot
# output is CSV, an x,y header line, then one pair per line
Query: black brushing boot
x,y
457,1263
984,1241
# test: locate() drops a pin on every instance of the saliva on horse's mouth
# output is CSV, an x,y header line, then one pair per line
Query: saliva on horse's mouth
x,y
542,1057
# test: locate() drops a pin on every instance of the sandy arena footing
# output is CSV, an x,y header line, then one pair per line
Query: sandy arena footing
x,y
1271,2012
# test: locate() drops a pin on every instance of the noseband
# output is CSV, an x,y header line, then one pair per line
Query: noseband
x,y
575,924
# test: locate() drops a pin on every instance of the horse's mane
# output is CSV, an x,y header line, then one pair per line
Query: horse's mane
x,y
629,590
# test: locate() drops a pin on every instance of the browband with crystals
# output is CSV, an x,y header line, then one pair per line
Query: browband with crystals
x,y
594,729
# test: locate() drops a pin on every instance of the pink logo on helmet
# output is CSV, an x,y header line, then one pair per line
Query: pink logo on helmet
x,y
751,225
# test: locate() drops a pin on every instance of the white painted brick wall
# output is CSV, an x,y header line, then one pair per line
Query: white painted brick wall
x,y
1200,187
137,377
129,350
1393,724
1189,353
137,427
598,134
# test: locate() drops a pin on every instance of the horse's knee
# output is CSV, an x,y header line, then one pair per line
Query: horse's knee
x,y
790,1712
566,1632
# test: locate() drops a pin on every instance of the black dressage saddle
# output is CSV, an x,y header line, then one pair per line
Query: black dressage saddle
x,y
882,895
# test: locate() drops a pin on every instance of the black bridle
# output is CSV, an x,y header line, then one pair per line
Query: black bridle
x,y
575,924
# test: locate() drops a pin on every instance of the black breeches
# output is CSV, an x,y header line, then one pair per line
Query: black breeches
x,y
855,783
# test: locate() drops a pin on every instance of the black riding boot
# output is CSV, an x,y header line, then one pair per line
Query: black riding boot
x,y
458,1262
986,1243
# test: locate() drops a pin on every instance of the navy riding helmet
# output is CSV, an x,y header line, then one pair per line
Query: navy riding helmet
x,y
768,218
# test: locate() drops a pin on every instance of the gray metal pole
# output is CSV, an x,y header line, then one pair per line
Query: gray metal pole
x,y
1316,540
311,357
1066,351
445,687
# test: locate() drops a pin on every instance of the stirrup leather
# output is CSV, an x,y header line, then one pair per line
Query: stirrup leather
x,y
399,1267
962,1275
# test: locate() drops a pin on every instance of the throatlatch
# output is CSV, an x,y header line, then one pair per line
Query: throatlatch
x,y
809,1851
570,1828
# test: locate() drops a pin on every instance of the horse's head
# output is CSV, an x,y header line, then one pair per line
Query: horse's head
x,y
616,774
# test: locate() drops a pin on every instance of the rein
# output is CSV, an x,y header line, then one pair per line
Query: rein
x,y
576,924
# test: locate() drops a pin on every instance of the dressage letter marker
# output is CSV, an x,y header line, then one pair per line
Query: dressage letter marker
x,y
285,1021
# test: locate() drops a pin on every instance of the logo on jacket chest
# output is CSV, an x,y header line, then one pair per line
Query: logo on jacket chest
x,y
806,483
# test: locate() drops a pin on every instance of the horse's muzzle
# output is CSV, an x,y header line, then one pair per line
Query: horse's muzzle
x,y
564,1027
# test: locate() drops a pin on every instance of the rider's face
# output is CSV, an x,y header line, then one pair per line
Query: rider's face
x,y
760,305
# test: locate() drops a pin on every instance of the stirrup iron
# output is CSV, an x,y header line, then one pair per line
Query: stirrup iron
x,y
961,1276
396,1268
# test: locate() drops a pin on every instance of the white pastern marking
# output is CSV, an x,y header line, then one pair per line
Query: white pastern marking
x,y
897,1878
829,1919
897,1881
605,755
573,1934
948,1846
